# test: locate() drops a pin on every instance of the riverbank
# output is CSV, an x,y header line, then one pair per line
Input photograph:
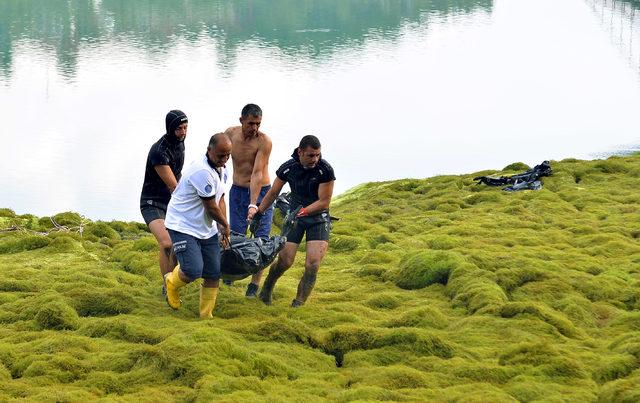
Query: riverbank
x,y
436,289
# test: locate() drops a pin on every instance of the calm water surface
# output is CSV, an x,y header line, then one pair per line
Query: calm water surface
x,y
393,88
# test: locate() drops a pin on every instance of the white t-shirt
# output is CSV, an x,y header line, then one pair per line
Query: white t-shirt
x,y
185,212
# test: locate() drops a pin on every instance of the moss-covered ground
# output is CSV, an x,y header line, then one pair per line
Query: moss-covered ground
x,y
433,289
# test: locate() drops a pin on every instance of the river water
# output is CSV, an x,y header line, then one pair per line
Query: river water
x,y
393,88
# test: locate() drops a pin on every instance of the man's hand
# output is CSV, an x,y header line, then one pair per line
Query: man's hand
x,y
225,234
302,213
254,224
251,211
225,242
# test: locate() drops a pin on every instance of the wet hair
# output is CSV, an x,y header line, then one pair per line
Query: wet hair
x,y
251,109
213,141
309,141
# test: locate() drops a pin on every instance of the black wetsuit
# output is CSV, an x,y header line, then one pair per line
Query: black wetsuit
x,y
169,150
304,184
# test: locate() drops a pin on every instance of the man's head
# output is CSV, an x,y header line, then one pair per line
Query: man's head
x,y
176,123
250,119
309,151
219,149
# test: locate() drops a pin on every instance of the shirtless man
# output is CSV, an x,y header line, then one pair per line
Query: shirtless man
x,y
250,155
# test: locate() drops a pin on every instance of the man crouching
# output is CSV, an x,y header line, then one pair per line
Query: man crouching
x,y
195,204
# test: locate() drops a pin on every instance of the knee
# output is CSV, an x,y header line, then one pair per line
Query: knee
x,y
285,263
285,260
312,266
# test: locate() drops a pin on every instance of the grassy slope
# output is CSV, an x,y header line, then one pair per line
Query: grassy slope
x,y
433,289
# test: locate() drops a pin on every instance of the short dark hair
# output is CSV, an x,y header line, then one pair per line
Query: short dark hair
x,y
215,138
309,141
251,109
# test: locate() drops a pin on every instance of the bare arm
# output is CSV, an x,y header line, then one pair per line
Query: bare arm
x,y
218,213
165,173
325,191
269,197
259,166
222,205
224,231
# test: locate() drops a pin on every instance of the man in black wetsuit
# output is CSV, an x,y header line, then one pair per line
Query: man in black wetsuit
x,y
311,181
162,173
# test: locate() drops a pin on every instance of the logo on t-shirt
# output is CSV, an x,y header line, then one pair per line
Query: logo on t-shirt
x,y
207,188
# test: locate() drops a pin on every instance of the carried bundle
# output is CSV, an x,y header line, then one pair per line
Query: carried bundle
x,y
247,256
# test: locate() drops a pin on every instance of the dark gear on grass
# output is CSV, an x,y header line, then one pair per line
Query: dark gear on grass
x,y
247,256
528,180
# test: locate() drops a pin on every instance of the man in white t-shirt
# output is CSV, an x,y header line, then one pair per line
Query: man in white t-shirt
x,y
195,205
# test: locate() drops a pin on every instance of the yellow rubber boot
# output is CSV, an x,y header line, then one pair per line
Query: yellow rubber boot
x,y
174,282
207,302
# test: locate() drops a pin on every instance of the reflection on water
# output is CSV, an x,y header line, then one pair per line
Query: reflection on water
x,y
300,28
393,88
621,19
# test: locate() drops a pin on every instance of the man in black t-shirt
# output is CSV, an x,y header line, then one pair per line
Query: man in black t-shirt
x,y
162,173
311,181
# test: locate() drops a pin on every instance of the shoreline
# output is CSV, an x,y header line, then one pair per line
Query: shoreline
x,y
626,151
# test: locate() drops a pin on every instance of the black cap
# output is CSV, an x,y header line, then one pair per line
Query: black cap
x,y
174,119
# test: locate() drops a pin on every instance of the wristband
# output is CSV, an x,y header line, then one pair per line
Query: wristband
x,y
252,206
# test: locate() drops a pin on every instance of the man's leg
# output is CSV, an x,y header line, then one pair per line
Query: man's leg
x,y
285,260
263,232
208,297
238,205
166,257
254,284
210,276
189,254
316,250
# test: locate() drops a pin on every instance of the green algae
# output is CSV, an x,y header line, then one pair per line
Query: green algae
x,y
16,244
57,315
422,269
434,289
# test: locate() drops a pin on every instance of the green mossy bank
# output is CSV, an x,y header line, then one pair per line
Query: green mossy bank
x,y
434,289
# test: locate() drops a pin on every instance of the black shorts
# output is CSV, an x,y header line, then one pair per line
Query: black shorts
x,y
152,212
315,231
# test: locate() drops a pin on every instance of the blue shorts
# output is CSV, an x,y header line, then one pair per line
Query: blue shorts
x,y
238,206
197,257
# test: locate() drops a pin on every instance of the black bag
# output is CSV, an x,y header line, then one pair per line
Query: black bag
x,y
247,256
528,180
283,203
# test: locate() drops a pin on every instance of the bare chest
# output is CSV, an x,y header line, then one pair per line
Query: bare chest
x,y
244,152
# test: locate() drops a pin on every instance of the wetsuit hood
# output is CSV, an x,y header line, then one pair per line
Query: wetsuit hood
x,y
174,119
